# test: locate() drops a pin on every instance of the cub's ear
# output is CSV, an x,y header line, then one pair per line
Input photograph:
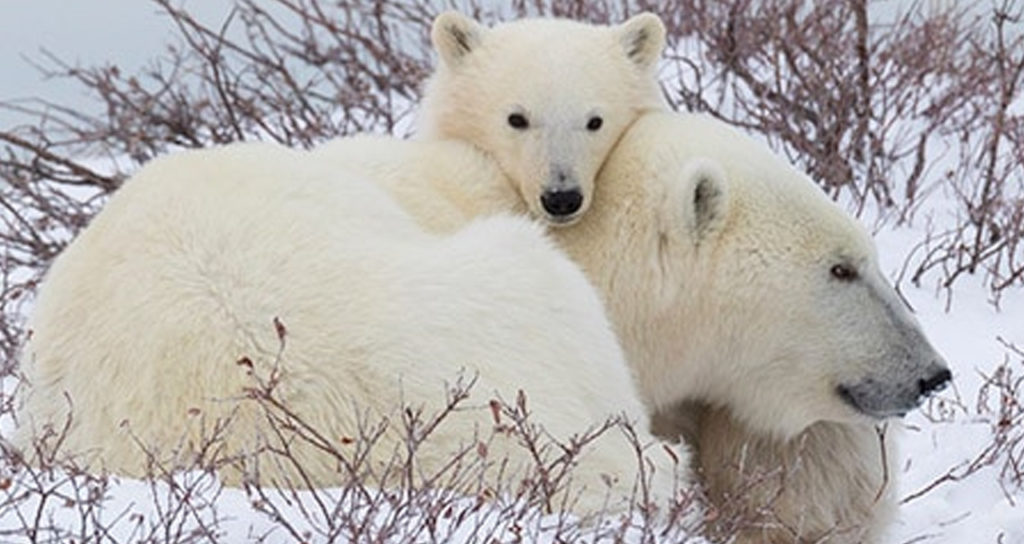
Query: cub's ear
x,y
705,197
454,36
642,38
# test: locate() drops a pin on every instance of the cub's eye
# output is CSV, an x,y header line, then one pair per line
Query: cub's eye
x,y
518,121
843,272
594,124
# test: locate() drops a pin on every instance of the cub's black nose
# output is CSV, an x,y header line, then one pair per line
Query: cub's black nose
x,y
562,203
938,381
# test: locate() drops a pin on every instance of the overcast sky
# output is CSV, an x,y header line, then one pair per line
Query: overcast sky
x,y
128,33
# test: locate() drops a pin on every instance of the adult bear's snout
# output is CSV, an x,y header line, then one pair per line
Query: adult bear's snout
x,y
886,397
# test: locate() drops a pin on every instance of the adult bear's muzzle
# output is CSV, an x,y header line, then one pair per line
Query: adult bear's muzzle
x,y
882,399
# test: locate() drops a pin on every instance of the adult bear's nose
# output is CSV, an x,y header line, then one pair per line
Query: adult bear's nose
x,y
562,203
937,381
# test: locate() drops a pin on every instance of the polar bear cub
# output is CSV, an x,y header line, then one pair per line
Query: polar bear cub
x,y
546,98
141,324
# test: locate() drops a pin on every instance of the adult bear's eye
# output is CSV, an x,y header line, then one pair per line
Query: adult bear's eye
x,y
843,272
518,121
594,123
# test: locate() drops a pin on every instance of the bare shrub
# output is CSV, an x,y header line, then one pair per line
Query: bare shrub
x,y
46,494
870,108
988,177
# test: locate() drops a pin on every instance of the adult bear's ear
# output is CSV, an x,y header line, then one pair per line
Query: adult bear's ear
x,y
642,38
454,36
706,198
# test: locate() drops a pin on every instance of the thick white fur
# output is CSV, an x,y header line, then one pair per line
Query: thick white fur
x,y
714,258
141,321
557,74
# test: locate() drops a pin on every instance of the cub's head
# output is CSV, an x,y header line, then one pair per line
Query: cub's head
x,y
546,98
771,298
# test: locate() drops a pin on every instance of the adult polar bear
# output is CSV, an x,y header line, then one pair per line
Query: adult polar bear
x,y
142,320
545,98
734,283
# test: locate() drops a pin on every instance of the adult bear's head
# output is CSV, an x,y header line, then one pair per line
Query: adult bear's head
x,y
734,280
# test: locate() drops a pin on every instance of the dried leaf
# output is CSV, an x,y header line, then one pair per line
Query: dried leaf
x,y
280,328
496,411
